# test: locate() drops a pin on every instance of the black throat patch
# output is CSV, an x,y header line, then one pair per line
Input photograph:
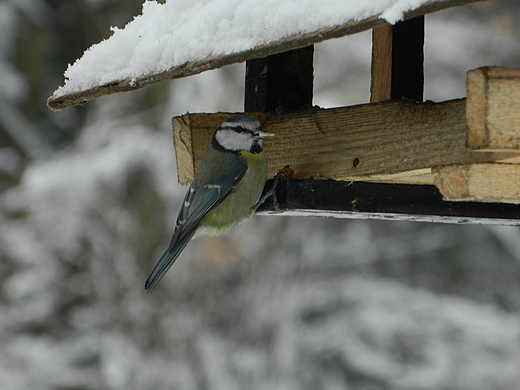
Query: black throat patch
x,y
255,148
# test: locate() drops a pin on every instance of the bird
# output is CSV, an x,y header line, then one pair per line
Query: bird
x,y
225,192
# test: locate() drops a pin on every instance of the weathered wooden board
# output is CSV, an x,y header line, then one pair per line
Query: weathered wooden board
x,y
493,109
392,141
479,182
381,67
59,102
397,70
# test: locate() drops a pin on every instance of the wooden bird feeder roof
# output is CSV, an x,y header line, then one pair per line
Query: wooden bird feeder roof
x,y
59,102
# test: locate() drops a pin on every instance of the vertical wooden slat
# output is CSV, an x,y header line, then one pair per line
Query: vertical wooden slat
x,y
398,61
381,70
493,109
281,82
408,59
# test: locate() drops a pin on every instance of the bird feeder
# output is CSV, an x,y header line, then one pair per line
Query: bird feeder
x,y
397,157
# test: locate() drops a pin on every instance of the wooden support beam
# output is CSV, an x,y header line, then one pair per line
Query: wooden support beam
x,y
479,182
280,83
398,61
381,68
393,141
493,124
408,59
493,107
337,199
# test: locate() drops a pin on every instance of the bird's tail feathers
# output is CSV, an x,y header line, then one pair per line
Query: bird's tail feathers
x,y
166,261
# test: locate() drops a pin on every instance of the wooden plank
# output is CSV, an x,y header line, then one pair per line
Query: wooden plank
x,y
479,182
280,83
397,70
59,102
393,141
381,68
493,107
185,150
389,202
416,176
408,59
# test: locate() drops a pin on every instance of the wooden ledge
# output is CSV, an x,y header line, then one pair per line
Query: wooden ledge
x,y
389,202
393,141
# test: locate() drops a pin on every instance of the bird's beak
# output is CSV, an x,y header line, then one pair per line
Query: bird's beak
x,y
264,135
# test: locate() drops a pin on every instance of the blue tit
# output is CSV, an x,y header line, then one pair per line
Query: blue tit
x,y
225,191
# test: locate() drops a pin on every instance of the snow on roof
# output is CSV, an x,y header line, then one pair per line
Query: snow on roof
x,y
184,37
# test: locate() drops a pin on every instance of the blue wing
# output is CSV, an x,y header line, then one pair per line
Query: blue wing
x,y
206,192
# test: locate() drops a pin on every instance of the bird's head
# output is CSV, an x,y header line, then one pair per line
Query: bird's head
x,y
239,133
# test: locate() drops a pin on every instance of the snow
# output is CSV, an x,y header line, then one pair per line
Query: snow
x,y
176,32
72,187
285,303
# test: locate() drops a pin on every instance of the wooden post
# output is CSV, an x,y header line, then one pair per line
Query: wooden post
x,y
281,82
493,109
398,61
493,124
408,59
381,70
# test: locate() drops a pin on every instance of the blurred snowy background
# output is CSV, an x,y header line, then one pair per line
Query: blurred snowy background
x,y
88,199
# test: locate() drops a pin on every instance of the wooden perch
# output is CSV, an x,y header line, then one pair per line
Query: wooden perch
x,y
59,102
389,202
493,107
392,141
479,182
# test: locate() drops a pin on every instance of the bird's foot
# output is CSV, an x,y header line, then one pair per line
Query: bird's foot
x,y
285,173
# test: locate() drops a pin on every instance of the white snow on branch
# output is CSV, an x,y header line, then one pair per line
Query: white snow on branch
x,y
176,32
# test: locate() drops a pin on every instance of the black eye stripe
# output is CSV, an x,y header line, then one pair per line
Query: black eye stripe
x,y
238,129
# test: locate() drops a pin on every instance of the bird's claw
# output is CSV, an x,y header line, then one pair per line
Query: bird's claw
x,y
285,173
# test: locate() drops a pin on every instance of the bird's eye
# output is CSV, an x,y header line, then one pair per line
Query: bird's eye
x,y
240,130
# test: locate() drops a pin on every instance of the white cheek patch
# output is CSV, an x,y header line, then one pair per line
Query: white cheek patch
x,y
231,140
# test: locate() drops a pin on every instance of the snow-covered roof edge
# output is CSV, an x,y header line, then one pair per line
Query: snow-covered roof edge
x,y
60,100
